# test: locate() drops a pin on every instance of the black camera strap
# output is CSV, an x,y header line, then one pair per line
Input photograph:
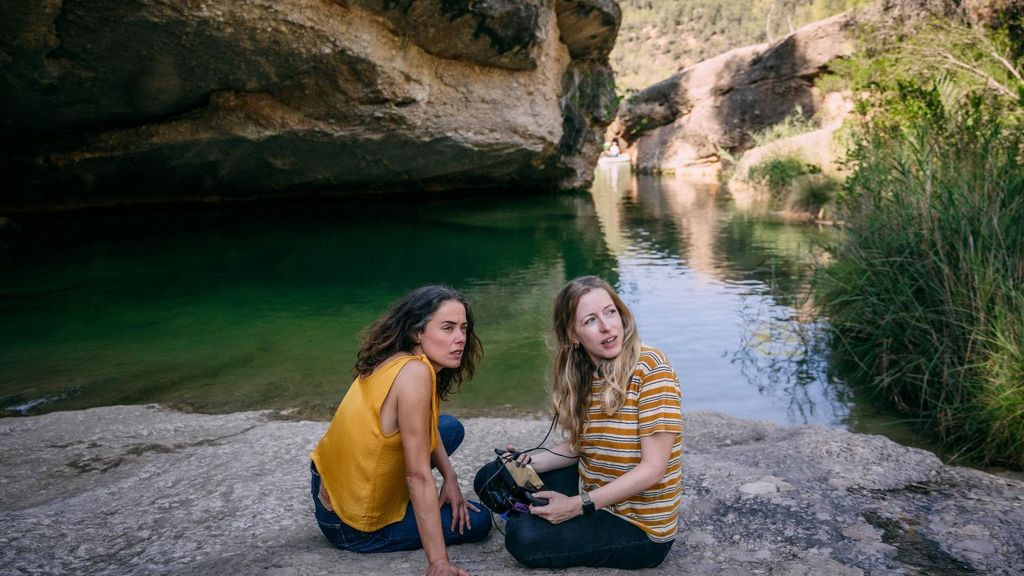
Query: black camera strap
x,y
503,460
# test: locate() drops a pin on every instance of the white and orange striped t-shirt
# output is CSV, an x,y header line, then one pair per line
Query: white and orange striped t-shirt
x,y
611,444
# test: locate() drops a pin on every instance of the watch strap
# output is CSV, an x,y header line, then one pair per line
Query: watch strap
x,y
588,504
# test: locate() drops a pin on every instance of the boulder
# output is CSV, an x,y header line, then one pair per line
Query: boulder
x,y
151,101
685,120
145,490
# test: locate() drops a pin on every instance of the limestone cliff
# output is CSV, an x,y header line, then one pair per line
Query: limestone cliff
x,y
145,101
684,121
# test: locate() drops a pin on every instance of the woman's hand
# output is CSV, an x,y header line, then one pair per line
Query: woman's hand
x,y
452,494
325,498
523,459
445,568
559,507
545,459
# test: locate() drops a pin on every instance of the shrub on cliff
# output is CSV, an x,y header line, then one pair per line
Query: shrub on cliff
x,y
794,184
926,296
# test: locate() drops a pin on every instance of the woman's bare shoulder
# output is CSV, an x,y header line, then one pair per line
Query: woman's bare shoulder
x,y
384,364
415,371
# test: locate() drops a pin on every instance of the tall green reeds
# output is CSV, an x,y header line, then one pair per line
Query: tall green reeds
x,y
926,296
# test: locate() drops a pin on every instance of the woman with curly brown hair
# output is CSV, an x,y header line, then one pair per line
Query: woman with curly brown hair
x,y
372,486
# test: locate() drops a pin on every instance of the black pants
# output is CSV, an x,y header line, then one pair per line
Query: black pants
x,y
600,539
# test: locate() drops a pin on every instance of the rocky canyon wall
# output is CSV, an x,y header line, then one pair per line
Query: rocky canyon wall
x,y
120,102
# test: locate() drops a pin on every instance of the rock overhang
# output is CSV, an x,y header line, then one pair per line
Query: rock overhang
x,y
295,97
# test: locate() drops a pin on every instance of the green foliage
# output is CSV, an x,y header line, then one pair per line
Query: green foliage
x,y
926,296
729,162
778,173
957,58
660,37
794,184
792,125
814,193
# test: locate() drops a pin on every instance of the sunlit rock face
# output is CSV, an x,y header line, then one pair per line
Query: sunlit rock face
x,y
114,102
686,120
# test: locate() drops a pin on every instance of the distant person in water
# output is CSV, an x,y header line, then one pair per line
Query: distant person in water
x,y
611,149
372,486
613,488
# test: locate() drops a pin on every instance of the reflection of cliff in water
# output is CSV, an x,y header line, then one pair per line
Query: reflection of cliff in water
x,y
689,212
720,288
612,183
691,220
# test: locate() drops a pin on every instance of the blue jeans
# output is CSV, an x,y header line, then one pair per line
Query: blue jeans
x,y
402,535
600,539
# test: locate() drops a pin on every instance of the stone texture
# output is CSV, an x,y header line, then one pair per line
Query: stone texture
x,y
112,102
145,490
683,121
500,33
589,27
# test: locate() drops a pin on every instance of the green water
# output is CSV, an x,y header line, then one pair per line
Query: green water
x,y
250,307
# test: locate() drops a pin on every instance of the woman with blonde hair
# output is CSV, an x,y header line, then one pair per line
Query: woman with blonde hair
x,y
613,485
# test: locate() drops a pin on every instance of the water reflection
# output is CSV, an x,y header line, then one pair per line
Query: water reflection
x,y
260,307
612,183
718,289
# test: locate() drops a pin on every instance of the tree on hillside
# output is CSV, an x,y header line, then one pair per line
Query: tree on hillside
x,y
659,38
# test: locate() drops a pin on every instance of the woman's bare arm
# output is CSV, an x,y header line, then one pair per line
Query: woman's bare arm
x,y
414,389
655,451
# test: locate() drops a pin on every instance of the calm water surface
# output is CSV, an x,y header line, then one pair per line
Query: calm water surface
x,y
239,308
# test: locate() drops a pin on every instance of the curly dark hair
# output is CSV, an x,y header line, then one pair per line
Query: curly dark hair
x,y
395,332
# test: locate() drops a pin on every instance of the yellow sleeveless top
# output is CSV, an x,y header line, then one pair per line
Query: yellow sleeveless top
x,y
363,469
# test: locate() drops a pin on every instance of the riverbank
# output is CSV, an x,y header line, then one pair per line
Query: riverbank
x,y
146,490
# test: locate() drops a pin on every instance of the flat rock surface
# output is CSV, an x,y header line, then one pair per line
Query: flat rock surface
x,y
146,490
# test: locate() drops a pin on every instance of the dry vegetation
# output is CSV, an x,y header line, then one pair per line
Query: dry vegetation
x,y
660,37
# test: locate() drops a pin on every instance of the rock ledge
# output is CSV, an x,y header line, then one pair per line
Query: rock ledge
x,y
146,490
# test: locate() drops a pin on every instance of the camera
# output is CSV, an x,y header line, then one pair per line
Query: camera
x,y
510,488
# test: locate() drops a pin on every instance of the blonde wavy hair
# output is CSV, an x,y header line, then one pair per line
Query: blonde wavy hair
x,y
574,370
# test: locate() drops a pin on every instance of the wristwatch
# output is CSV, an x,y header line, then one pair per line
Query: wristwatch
x,y
588,504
